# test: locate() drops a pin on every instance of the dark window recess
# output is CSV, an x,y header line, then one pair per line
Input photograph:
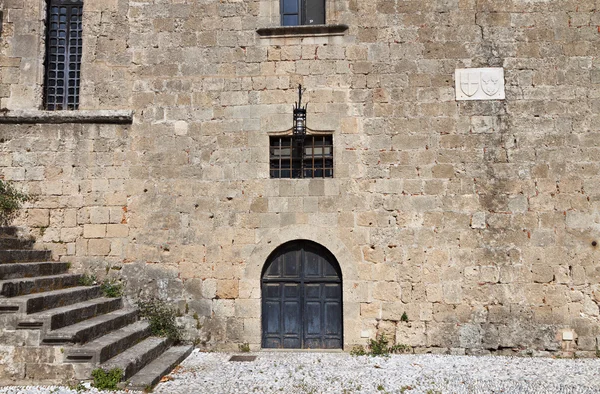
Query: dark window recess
x,y
311,157
302,12
63,54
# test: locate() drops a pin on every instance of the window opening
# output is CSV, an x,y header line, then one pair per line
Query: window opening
x,y
64,46
302,12
310,157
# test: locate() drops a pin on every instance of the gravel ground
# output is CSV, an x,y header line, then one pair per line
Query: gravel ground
x,y
281,372
409,374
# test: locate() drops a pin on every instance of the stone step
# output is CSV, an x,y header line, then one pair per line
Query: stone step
x,y
15,243
33,303
101,349
9,231
90,329
28,270
151,374
56,318
137,357
23,286
24,256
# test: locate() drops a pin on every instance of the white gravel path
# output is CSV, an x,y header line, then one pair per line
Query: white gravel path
x,y
410,374
283,372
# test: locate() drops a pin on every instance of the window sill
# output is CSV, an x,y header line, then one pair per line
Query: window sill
x,y
85,116
302,31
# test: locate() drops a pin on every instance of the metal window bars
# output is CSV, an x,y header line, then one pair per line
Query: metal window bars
x,y
311,157
64,47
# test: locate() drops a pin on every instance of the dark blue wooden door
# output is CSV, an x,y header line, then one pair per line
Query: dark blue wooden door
x,y
302,298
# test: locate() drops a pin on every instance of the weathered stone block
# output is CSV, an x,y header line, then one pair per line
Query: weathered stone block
x,y
98,247
228,289
94,230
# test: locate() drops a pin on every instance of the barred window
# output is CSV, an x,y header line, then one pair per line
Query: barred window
x,y
311,157
302,12
63,54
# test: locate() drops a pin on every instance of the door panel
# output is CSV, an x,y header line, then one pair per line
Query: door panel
x,y
302,299
333,313
312,317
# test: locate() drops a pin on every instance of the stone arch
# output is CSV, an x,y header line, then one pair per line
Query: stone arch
x,y
276,237
266,245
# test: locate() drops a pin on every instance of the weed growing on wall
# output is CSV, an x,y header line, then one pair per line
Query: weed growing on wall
x,y
111,288
10,202
379,347
162,318
244,347
87,280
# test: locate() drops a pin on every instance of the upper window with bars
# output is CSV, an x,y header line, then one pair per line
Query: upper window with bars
x,y
302,12
64,44
310,157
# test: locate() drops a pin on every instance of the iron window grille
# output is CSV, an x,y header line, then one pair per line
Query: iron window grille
x,y
310,157
64,46
302,12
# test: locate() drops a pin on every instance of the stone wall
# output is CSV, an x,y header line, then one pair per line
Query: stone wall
x,y
477,219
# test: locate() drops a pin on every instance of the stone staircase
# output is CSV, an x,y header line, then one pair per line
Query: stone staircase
x,y
53,330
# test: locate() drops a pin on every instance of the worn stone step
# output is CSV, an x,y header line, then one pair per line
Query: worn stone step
x,y
23,286
28,270
9,231
15,243
33,303
152,373
90,329
24,256
101,349
56,318
138,356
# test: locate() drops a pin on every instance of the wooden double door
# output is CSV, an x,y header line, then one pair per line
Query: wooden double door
x,y
302,298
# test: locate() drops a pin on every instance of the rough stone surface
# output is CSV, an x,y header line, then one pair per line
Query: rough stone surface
x,y
477,219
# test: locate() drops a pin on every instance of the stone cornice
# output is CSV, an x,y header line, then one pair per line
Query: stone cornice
x,y
303,30
84,116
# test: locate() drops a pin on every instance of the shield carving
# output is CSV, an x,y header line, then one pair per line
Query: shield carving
x,y
469,82
490,83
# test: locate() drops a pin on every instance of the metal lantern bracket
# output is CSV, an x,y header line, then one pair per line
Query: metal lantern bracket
x,y
299,126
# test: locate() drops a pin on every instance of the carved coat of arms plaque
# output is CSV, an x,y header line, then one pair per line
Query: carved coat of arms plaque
x,y
479,84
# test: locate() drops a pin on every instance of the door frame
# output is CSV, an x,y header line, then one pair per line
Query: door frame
x,y
303,245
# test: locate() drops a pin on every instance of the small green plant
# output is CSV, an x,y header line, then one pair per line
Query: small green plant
x,y
358,350
380,387
107,380
87,280
244,347
111,288
404,317
162,318
10,202
379,347
400,348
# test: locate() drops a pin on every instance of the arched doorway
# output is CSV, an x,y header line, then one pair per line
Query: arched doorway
x,y
302,298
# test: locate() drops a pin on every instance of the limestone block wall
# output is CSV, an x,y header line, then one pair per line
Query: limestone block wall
x,y
480,220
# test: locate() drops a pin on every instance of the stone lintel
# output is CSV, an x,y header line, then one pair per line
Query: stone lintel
x,y
83,116
302,30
